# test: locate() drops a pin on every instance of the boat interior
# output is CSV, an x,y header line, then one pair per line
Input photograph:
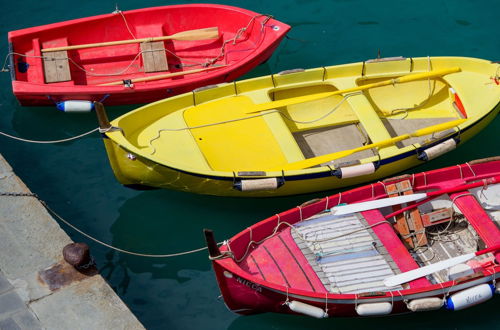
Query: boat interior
x,y
354,253
267,140
100,65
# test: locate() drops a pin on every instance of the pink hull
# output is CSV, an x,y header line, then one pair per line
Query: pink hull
x,y
250,285
253,46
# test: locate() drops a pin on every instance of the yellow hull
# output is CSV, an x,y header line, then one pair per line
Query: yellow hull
x,y
175,144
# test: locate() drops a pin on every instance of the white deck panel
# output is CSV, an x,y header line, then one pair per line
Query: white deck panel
x,y
353,263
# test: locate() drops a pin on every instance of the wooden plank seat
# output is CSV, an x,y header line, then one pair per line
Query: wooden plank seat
x,y
154,56
56,64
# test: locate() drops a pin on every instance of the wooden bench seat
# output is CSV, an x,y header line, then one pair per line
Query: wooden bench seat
x,y
56,64
154,56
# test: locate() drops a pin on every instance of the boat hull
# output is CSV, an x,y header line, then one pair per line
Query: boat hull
x,y
246,297
31,90
246,288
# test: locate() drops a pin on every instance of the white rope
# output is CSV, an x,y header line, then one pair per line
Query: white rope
x,y
101,242
48,142
125,21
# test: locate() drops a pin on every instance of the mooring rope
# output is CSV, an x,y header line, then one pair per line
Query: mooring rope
x,y
10,194
50,141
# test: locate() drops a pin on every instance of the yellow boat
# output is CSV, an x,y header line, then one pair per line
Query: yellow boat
x,y
305,130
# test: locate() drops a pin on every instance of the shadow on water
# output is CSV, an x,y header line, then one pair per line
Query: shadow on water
x,y
171,222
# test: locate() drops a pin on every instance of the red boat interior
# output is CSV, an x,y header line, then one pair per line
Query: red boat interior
x,y
98,65
356,252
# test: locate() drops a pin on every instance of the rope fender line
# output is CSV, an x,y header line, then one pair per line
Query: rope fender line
x,y
50,141
44,204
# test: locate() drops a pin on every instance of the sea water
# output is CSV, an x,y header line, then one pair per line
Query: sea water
x,y
75,179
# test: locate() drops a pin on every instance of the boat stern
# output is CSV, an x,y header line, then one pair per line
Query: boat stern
x,y
240,295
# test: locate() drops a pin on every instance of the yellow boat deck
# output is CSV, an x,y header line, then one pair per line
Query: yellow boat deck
x,y
226,135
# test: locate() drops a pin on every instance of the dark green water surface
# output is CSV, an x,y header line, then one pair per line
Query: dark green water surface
x,y
76,181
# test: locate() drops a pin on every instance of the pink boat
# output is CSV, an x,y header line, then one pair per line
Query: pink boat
x,y
139,56
413,243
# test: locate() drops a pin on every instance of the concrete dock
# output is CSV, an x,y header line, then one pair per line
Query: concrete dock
x,y
38,289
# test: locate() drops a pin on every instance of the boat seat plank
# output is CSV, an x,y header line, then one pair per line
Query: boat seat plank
x,y
394,246
56,67
369,118
154,56
477,217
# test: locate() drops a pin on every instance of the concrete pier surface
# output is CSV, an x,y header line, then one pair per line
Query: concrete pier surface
x,y
38,289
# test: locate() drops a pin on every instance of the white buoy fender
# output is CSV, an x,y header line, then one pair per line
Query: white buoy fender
x,y
438,150
75,106
356,170
257,184
470,297
306,309
373,309
425,304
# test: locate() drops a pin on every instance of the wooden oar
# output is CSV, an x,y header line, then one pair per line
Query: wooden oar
x,y
163,76
199,34
435,267
329,157
390,201
317,96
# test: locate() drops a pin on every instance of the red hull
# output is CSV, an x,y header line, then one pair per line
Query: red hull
x,y
88,67
247,292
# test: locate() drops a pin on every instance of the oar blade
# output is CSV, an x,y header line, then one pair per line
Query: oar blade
x,y
376,204
426,270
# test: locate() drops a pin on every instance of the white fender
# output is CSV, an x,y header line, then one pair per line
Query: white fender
x,y
439,149
470,297
356,170
425,304
306,309
259,184
75,106
373,309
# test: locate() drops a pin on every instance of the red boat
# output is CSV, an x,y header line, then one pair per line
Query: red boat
x,y
139,56
413,243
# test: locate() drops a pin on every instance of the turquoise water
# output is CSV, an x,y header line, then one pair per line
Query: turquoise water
x,y
75,179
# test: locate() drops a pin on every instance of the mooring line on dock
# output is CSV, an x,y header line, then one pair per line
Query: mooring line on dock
x,y
48,142
11,194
